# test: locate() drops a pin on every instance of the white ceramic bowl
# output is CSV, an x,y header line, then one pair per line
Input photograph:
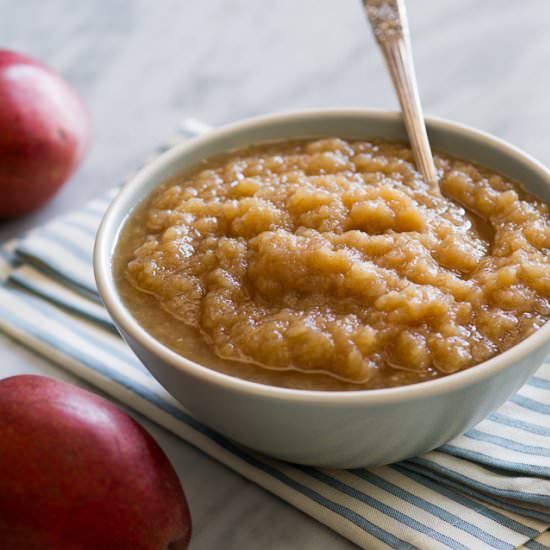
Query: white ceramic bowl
x,y
331,429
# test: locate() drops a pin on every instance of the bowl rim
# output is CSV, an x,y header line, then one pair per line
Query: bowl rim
x,y
130,194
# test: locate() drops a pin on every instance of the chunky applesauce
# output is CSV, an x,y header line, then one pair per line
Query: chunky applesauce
x,y
330,264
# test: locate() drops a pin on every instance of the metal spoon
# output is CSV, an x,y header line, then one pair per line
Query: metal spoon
x,y
388,20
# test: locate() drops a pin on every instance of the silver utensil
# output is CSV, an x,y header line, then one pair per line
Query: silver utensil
x,y
388,20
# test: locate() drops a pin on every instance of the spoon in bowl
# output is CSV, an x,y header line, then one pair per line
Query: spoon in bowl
x,y
388,20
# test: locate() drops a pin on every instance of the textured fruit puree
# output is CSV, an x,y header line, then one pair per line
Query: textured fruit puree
x,y
330,264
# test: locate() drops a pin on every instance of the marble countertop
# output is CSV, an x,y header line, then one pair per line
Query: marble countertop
x,y
142,66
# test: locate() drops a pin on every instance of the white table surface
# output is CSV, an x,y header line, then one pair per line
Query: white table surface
x,y
143,65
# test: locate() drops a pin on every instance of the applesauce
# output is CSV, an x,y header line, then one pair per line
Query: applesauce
x,y
329,264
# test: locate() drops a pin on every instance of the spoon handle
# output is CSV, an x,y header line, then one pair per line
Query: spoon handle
x,y
388,20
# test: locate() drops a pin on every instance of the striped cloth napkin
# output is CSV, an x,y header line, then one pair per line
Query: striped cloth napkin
x,y
489,488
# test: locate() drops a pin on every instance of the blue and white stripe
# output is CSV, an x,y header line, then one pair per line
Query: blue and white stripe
x,y
489,488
